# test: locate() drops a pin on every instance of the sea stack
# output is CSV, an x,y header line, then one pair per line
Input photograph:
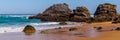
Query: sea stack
x,y
105,12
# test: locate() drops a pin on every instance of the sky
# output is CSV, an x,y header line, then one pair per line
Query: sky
x,y
38,6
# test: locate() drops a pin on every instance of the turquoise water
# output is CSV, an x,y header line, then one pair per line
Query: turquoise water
x,y
10,19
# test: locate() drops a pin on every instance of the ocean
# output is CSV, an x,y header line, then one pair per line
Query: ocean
x,y
17,22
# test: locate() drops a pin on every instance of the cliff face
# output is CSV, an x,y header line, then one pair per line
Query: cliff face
x,y
105,12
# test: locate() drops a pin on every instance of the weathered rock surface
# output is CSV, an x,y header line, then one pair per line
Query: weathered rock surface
x,y
80,14
116,19
105,12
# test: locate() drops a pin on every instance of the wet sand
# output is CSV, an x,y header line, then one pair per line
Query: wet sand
x,y
84,32
111,35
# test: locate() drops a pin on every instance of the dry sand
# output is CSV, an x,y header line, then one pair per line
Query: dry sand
x,y
84,32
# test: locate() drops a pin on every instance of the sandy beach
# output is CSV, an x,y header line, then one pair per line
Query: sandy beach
x,y
59,20
84,32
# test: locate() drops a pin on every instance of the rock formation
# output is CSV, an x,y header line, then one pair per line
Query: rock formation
x,y
56,12
105,12
80,14
61,12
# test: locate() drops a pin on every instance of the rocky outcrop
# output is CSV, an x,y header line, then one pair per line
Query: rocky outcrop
x,y
105,12
56,12
61,12
80,14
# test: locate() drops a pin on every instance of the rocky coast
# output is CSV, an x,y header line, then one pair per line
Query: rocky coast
x,y
103,26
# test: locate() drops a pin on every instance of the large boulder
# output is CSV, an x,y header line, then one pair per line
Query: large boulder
x,y
29,29
80,14
105,12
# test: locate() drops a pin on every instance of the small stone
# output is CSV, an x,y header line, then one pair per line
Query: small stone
x,y
59,27
118,28
72,29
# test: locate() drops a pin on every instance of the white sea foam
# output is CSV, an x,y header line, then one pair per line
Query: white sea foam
x,y
38,26
10,29
7,16
19,28
45,23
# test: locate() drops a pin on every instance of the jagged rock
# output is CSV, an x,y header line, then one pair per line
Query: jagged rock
x,y
29,29
105,12
80,14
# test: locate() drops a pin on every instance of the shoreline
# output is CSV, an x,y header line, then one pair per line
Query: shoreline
x,y
38,26
83,32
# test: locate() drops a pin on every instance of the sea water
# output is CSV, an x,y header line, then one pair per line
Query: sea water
x,y
17,22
